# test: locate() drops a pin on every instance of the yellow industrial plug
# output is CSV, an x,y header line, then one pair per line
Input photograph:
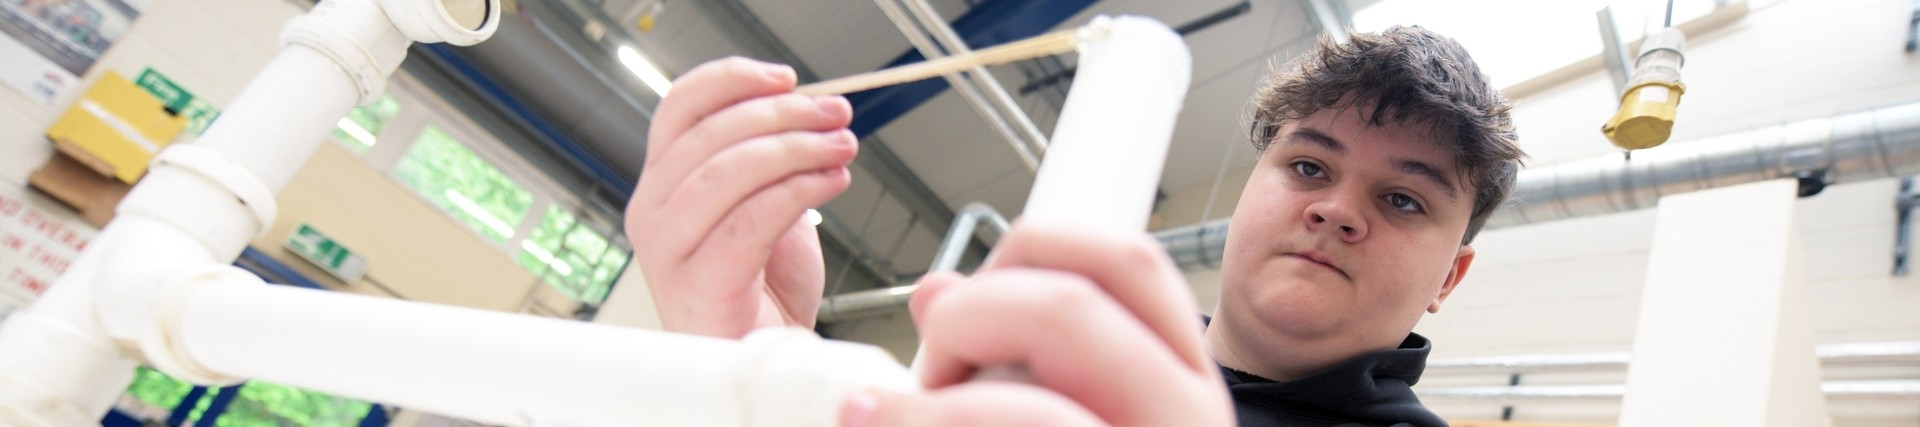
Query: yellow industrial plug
x,y
1652,98
1645,119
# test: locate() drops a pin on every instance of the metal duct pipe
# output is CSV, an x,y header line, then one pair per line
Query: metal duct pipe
x,y
864,303
964,224
1881,143
1854,147
1196,245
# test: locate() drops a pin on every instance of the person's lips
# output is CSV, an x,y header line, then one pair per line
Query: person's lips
x,y
1319,259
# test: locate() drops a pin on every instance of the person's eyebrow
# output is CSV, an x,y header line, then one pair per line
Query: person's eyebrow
x,y
1427,171
1314,137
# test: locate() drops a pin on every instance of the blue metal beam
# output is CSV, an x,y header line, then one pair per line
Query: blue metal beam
x,y
257,262
222,398
990,23
185,407
544,131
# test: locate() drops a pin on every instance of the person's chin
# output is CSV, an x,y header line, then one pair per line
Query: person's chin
x,y
1296,310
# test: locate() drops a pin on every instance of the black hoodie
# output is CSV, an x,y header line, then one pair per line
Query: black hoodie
x,y
1373,389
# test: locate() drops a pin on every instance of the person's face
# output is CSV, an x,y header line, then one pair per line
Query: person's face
x,y
1344,234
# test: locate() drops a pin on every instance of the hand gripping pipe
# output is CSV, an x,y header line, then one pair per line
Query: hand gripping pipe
x,y
155,288
1108,147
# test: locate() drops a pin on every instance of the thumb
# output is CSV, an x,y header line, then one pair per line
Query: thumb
x,y
876,408
971,404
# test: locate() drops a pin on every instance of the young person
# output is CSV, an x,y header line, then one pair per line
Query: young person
x,y
1380,160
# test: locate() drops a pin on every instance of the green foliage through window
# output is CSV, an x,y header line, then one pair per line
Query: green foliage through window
x,y
158,389
269,404
572,257
258,404
458,181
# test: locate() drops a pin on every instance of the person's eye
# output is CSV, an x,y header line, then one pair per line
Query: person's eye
x,y
1308,169
1405,203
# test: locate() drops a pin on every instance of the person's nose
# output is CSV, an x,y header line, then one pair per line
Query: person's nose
x,y
1341,214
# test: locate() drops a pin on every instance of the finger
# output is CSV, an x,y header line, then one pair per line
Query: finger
x,y
724,182
744,122
1075,338
709,88
744,237
795,275
928,288
1133,268
978,404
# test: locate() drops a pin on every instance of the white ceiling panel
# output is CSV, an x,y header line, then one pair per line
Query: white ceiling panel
x,y
834,37
949,146
1006,193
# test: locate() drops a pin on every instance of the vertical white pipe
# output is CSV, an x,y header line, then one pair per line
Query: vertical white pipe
x,y
57,366
1111,141
276,123
524,370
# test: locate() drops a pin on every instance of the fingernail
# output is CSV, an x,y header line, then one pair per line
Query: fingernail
x,y
779,72
829,104
859,410
845,136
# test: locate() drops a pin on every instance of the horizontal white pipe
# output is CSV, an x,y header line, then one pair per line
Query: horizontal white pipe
x,y
1848,389
1830,354
523,370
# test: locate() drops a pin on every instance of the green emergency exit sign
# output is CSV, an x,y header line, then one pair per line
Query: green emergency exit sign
x,y
327,254
198,112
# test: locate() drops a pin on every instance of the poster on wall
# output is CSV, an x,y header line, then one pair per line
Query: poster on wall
x,y
46,45
38,241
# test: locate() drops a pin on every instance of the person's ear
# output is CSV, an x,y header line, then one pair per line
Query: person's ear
x,y
1461,260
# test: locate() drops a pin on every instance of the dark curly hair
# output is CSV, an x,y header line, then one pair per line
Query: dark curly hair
x,y
1407,75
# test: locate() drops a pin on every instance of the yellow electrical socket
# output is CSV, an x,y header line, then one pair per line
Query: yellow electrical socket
x,y
1645,119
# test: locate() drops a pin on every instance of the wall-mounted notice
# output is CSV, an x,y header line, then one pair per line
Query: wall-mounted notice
x,y
37,243
46,45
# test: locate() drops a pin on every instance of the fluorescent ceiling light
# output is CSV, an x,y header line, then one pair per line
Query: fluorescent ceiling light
x,y
643,68
358,133
546,257
474,210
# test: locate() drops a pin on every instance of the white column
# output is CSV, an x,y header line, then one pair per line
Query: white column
x,y
1723,337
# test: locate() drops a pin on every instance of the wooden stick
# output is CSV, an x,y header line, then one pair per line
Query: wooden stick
x,y
1054,43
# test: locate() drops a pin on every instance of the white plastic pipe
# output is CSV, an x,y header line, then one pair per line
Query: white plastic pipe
x,y
57,367
263,129
1111,141
1110,144
523,370
65,360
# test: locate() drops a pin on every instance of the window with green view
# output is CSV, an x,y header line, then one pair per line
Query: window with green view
x,y
458,181
268,405
259,403
573,258
360,129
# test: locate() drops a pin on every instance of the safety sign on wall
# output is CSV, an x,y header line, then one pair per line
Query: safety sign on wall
x,y
38,241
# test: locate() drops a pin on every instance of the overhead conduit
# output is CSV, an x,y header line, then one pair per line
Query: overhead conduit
x,y
1881,143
